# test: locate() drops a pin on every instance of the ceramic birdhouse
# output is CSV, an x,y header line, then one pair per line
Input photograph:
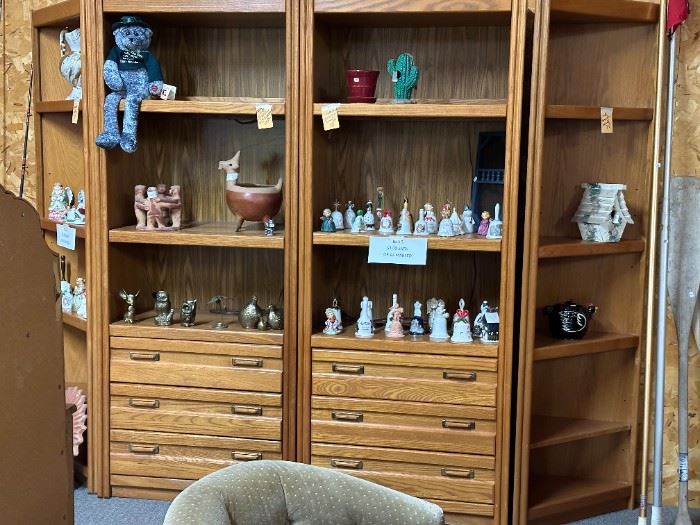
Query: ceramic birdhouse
x,y
602,214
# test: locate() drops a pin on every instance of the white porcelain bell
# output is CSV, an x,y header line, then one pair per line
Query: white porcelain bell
x,y
337,217
350,215
461,326
365,323
439,330
431,224
456,221
496,225
468,223
420,227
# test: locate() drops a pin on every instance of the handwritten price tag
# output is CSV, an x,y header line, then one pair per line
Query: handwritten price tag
x,y
606,120
398,250
264,113
65,236
329,114
76,112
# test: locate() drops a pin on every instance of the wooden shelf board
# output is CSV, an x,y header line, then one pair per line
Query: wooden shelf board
x,y
604,11
202,331
467,243
55,106
49,225
57,15
210,106
75,321
548,431
560,111
194,6
593,342
423,108
207,234
549,496
552,247
347,340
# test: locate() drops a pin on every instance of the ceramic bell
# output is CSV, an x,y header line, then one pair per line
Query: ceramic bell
x,y
416,327
327,223
389,314
396,328
420,227
439,329
446,229
79,306
468,223
386,224
333,325
365,323
368,217
349,215
456,221
461,326
431,224
250,314
358,223
495,230
405,220
484,224
337,217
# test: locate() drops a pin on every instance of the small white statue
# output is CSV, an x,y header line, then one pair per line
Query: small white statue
x,y
368,217
468,223
390,313
70,62
79,306
461,326
349,216
365,323
431,224
358,223
386,223
439,330
337,217
416,327
405,220
420,228
496,225
432,306
456,221
59,202
446,229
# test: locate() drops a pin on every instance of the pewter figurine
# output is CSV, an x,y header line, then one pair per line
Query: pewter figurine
x,y
250,314
274,318
163,309
130,298
218,300
188,312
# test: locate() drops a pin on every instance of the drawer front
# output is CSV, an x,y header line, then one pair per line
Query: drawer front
x,y
259,374
452,482
172,458
219,419
432,379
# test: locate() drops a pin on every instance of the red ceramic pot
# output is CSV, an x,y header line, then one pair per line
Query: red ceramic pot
x,y
361,85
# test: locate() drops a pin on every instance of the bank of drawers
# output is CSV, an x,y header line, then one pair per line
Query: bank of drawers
x,y
422,424
182,409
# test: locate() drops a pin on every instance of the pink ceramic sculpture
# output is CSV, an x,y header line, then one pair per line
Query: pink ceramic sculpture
x,y
157,208
75,396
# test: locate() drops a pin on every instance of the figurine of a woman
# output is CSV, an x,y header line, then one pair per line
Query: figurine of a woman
x,y
332,325
349,215
79,306
431,225
461,326
439,331
390,313
337,217
396,328
456,221
416,327
484,224
468,220
405,220
358,223
386,223
446,229
365,324
327,224
58,205
368,217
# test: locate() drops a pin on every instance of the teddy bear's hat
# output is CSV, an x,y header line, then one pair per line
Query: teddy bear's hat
x,y
129,20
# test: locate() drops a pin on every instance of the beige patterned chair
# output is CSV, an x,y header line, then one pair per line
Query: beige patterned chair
x,y
282,493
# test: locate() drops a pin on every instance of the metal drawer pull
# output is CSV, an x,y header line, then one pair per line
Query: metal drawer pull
x,y
144,449
451,473
346,463
248,363
459,376
246,410
246,456
144,356
144,403
348,369
462,425
347,416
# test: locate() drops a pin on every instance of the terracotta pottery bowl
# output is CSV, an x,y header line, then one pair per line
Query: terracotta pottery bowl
x,y
251,202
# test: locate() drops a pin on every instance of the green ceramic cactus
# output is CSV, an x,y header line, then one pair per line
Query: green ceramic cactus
x,y
404,75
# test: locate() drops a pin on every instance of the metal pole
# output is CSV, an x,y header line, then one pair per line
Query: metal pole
x,y
656,510
651,274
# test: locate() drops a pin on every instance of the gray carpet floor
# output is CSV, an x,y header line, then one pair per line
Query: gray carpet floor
x,y
91,510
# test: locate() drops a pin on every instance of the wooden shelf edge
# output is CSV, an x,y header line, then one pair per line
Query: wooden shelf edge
x,y
75,321
549,431
406,7
592,343
555,247
49,225
209,106
195,6
423,109
604,11
562,111
56,14
55,106
466,243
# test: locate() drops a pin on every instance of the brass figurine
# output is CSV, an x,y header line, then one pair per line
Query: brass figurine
x,y
130,299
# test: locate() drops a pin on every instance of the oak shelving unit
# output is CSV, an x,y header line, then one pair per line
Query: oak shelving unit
x,y
578,399
402,394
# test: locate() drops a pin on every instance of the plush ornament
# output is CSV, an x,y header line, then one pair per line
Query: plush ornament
x,y
133,74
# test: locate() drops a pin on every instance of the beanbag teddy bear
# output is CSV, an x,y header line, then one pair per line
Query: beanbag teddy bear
x,y
132,73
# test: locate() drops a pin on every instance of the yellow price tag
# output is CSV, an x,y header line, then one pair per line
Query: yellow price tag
x,y
76,112
606,120
264,113
329,114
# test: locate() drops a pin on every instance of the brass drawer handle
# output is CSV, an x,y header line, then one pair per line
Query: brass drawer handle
x,y
247,363
459,376
144,449
348,369
246,456
144,356
346,463
144,403
347,416
462,425
245,410
452,473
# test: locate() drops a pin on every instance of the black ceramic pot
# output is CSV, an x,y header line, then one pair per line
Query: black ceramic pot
x,y
569,320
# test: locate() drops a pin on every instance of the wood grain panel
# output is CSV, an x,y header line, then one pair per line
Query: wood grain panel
x,y
194,440
266,401
415,6
423,108
207,349
156,405
400,365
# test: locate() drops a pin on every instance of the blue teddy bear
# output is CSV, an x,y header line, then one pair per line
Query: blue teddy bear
x,y
133,74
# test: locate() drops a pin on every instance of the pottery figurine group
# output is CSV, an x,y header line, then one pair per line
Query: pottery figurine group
x,y
158,207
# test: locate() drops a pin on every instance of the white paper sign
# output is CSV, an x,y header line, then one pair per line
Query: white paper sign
x,y
65,236
398,250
